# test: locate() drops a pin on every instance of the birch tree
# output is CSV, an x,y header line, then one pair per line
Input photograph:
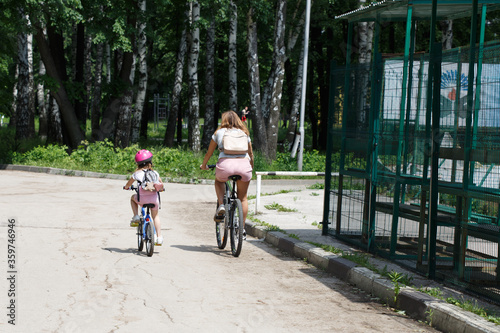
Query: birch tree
x,y
95,113
143,75
24,108
232,58
277,73
176,93
192,71
365,38
209,127
42,109
258,123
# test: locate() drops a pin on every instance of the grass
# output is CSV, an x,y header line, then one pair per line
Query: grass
x,y
279,208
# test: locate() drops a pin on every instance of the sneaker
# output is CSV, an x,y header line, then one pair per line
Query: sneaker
x,y
158,240
244,234
219,215
135,221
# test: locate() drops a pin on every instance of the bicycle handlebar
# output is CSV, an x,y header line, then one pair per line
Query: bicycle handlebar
x,y
135,188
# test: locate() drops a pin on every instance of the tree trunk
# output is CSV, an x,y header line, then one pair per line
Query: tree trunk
x,y
365,38
192,69
258,125
54,131
447,30
23,130
143,77
176,94
295,110
68,115
122,136
96,97
87,78
13,110
232,58
209,128
311,100
277,88
42,110
79,74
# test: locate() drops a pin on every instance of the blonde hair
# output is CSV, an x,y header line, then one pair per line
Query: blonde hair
x,y
230,119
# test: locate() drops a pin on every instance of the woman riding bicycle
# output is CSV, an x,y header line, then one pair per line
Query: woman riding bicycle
x,y
144,161
230,164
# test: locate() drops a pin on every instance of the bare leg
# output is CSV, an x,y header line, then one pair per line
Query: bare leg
x,y
242,188
157,222
134,205
219,190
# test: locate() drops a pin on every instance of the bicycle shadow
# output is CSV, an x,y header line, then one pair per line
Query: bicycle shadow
x,y
202,248
129,250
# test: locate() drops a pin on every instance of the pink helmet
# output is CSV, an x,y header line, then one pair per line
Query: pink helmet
x,y
143,156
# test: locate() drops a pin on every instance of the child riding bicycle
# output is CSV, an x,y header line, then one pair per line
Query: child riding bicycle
x,y
150,184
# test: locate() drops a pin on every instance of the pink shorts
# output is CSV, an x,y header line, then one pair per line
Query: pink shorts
x,y
233,166
148,198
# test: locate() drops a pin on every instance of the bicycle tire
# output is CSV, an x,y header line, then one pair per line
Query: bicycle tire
x,y
236,223
150,241
221,232
140,242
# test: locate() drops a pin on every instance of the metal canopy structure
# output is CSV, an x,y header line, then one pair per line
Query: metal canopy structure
x,y
396,10
378,211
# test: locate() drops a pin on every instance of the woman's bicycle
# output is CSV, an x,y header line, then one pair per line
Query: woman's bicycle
x,y
232,220
145,228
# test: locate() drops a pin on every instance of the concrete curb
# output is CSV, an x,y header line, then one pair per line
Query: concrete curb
x,y
441,315
78,173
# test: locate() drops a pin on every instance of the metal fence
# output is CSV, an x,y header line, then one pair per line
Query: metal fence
x,y
419,166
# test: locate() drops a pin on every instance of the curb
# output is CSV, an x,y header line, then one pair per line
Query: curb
x,y
441,315
92,174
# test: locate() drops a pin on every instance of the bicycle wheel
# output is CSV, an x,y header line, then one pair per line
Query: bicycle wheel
x,y
140,243
221,232
236,226
150,241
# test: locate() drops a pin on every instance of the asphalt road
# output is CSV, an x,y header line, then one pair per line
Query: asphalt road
x,y
76,268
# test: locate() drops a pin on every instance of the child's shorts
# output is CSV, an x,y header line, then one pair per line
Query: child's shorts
x,y
233,166
148,198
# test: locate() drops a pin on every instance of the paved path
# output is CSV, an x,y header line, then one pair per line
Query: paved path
x,y
77,269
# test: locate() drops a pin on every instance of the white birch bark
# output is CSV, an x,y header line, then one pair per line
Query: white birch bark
x,y
143,77
42,110
258,125
232,58
192,69
365,41
209,125
23,87
447,30
277,88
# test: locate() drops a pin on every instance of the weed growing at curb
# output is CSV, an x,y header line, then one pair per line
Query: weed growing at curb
x,y
467,305
279,208
269,227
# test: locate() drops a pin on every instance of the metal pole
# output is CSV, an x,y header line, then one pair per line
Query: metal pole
x,y
304,80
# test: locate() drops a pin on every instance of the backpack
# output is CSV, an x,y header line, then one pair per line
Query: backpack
x,y
234,142
150,179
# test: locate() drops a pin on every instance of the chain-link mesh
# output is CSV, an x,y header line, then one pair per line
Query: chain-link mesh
x,y
381,199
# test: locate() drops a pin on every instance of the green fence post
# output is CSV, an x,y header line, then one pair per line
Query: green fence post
x,y
329,151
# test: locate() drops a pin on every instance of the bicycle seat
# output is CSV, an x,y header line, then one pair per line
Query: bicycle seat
x,y
235,177
149,205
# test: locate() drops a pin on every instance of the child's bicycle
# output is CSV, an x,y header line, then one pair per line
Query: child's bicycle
x,y
145,228
233,219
